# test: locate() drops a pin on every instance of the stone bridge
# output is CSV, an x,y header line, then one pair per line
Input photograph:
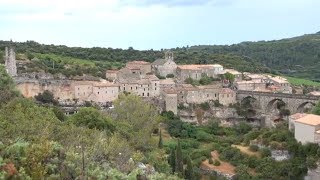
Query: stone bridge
x,y
266,100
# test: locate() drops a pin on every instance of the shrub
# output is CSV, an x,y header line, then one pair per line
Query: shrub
x,y
210,161
265,152
216,163
170,76
253,148
205,106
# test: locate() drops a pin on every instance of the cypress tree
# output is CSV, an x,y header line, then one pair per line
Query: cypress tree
x,y
160,145
172,160
179,160
189,170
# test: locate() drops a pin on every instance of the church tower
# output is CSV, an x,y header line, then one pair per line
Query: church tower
x,y
168,55
10,61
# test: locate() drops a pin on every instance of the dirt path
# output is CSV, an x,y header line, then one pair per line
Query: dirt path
x,y
224,167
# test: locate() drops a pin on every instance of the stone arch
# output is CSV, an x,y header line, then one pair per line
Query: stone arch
x,y
252,100
271,104
302,107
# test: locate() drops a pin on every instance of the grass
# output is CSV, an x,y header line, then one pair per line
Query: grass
x,y
299,82
246,150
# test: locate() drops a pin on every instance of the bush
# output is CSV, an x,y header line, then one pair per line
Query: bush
x,y
46,97
205,106
265,152
210,161
170,76
216,163
253,148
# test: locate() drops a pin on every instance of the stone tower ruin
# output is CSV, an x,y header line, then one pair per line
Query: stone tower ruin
x,y
10,61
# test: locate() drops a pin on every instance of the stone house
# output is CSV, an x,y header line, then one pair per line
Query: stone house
x,y
307,129
250,85
227,96
196,71
111,75
132,81
167,83
282,83
140,67
170,97
165,66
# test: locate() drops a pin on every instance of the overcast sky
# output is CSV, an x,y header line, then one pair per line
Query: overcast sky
x,y
146,24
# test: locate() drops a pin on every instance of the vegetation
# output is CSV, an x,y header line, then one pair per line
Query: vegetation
x,y
302,82
35,144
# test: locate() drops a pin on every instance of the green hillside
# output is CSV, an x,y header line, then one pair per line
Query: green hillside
x,y
295,57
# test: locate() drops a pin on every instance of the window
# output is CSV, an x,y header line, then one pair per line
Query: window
x,y
106,92
98,92
78,88
142,94
215,95
155,89
207,95
131,88
124,88
148,94
136,87
155,84
144,89
227,95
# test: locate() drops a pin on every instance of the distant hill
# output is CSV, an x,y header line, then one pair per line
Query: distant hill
x,y
296,57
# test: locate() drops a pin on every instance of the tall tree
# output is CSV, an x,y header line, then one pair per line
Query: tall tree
x,y
179,160
172,159
189,170
160,144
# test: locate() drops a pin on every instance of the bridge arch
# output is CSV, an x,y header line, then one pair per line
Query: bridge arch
x,y
250,101
275,104
306,106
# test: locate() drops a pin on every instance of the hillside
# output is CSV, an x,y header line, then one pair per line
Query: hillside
x,y
297,57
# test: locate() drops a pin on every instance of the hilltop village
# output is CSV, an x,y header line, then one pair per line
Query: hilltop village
x,y
162,80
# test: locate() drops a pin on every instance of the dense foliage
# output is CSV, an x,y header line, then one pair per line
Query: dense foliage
x,y
38,142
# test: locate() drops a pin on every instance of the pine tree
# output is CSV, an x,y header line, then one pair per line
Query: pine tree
x,y
189,170
179,160
160,145
172,160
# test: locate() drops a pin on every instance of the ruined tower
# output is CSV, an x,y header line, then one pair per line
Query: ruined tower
x,y
10,61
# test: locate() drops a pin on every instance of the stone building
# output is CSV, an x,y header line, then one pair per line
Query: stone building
x,y
70,90
165,66
307,129
196,71
140,67
170,97
282,83
167,83
132,81
250,85
10,61
227,96
111,75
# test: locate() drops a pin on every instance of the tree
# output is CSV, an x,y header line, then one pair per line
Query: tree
x,y
172,160
46,97
138,119
160,144
230,77
316,109
93,119
189,174
7,87
179,159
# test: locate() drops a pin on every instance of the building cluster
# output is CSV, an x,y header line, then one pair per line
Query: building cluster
x,y
263,83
